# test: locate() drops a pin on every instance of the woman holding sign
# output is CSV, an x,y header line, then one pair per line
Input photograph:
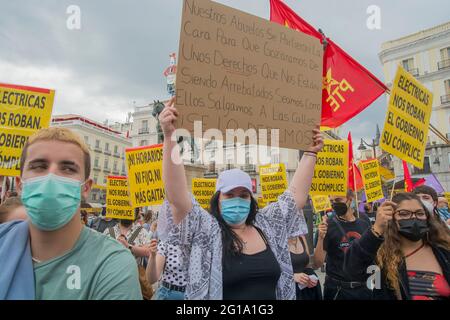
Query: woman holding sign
x,y
410,247
236,251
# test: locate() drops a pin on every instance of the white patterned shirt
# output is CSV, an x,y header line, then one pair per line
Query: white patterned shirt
x,y
174,272
200,239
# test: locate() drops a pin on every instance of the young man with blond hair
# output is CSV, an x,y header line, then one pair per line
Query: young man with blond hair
x,y
52,255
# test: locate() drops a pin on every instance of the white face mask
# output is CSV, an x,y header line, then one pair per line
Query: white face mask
x,y
428,205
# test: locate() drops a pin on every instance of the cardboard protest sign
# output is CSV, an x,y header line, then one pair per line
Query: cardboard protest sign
x,y
405,130
23,111
321,203
370,171
144,165
238,71
118,204
273,181
331,170
203,190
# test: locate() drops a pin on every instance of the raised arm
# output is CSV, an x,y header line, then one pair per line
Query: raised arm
x,y
155,264
301,182
174,177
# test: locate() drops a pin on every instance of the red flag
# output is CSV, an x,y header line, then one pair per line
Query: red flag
x,y
351,173
348,87
354,175
407,177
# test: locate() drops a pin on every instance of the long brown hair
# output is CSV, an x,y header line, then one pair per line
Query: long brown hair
x,y
390,255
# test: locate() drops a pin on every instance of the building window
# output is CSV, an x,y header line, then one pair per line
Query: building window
x,y
96,162
115,166
106,163
145,124
408,64
143,143
86,139
104,180
116,149
445,59
107,146
97,143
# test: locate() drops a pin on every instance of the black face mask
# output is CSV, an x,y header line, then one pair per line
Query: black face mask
x,y
126,223
413,229
340,208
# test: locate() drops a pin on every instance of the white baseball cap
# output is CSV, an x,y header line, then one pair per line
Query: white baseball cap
x,y
234,178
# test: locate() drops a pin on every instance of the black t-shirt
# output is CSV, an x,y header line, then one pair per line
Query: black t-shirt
x,y
336,243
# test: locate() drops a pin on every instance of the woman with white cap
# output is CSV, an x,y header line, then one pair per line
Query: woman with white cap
x,y
236,251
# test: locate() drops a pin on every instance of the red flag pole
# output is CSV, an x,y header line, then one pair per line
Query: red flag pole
x,y
356,191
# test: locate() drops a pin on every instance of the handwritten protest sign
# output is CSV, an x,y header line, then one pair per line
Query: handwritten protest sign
x,y
23,111
273,181
203,190
144,166
405,130
321,203
331,170
372,181
118,204
238,71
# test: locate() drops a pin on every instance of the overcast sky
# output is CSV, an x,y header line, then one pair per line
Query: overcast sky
x,y
118,56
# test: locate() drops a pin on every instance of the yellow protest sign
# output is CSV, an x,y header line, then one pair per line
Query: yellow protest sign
x,y
23,111
118,199
261,203
273,181
203,190
321,203
331,170
144,165
372,182
386,174
447,196
405,130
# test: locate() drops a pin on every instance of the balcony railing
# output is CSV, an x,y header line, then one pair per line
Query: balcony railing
x,y
106,170
116,172
249,168
108,152
116,154
144,131
445,99
97,149
414,72
444,64
97,168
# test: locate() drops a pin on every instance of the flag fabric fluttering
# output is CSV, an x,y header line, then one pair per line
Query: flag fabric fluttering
x,y
354,174
348,88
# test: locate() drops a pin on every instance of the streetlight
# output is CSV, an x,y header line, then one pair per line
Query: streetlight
x,y
375,143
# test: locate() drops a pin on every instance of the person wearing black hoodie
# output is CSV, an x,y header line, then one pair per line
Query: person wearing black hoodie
x,y
410,248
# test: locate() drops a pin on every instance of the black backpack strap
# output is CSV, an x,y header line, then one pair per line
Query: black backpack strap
x,y
134,235
111,232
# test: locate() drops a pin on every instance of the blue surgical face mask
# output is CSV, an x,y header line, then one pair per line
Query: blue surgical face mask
x,y
235,210
51,201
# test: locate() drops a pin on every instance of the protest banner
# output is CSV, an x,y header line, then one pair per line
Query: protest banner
x,y
370,171
23,111
239,71
331,170
447,196
144,166
321,203
273,181
203,190
118,204
405,132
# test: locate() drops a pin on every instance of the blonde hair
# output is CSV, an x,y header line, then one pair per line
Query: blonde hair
x,y
58,134
7,206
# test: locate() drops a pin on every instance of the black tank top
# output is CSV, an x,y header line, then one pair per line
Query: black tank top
x,y
251,277
300,261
